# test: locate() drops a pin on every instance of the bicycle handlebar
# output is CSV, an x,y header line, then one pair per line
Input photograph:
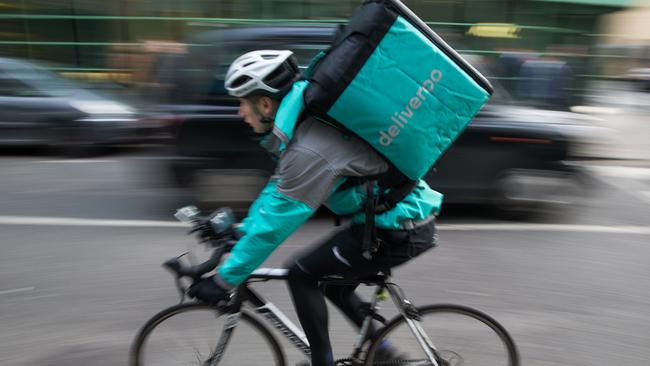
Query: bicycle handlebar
x,y
195,272
218,230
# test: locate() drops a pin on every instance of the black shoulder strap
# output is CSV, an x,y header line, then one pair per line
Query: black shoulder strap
x,y
394,186
395,196
369,243
375,205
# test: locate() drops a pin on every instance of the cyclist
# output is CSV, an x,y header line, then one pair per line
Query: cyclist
x,y
314,164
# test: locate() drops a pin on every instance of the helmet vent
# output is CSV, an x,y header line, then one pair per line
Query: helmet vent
x,y
270,78
266,72
240,81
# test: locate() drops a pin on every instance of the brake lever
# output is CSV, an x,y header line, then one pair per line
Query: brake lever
x,y
205,232
198,225
174,266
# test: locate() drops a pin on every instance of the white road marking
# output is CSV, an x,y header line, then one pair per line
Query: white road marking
x,y
75,161
71,221
619,229
621,171
22,289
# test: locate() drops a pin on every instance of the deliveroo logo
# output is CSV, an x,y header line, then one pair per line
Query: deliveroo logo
x,y
400,119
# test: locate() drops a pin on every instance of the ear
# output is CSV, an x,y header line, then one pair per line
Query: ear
x,y
267,105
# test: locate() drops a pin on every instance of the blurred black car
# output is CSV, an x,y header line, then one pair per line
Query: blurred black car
x,y
510,156
41,108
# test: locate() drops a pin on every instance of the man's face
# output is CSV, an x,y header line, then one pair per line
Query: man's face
x,y
252,110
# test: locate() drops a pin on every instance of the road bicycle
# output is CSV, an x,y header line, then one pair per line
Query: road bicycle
x,y
238,331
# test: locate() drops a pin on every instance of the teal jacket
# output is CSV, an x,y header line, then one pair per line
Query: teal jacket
x,y
314,160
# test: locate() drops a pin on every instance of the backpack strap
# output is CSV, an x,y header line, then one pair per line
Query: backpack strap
x,y
396,185
369,244
395,196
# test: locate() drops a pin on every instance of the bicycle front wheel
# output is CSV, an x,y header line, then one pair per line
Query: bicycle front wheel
x,y
460,336
193,334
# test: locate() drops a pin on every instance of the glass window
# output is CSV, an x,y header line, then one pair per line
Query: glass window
x,y
10,87
306,52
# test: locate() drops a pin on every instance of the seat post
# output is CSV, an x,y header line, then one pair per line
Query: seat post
x,y
363,332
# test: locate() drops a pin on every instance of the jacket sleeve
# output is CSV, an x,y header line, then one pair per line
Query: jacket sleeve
x,y
261,197
275,218
305,180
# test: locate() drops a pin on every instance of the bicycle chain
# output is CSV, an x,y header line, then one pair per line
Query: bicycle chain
x,y
353,362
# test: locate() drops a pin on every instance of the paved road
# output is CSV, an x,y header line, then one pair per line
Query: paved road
x,y
76,282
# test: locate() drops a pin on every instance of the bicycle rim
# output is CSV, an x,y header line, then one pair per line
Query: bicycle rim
x,y
188,334
462,336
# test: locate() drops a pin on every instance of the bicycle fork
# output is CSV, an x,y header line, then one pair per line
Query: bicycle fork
x,y
412,317
228,328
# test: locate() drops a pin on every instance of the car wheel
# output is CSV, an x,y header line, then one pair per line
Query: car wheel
x,y
507,201
69,142
524,193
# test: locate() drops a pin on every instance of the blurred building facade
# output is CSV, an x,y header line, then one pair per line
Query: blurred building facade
x,y
626,33
118,38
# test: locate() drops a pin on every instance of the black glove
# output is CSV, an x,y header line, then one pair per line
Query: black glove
x,y
207,291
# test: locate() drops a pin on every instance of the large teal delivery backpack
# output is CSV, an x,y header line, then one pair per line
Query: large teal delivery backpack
x,y
392,81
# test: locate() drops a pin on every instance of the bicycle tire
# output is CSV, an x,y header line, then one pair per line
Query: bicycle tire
x,y
139,346
453,356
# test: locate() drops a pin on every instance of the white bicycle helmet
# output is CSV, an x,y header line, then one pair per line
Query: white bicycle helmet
x,y
265,72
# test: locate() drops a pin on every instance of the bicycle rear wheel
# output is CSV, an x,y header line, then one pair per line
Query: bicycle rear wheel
x,y
189,334
460,335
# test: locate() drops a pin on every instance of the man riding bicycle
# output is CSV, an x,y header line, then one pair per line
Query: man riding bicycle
x,y
319,164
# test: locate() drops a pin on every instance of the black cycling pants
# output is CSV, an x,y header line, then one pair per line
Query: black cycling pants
x,y
342,255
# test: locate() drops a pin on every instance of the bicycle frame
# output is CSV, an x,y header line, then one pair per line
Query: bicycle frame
x,y
232,311
293,333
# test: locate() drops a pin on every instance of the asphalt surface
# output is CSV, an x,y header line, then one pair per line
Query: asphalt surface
x,y
82,242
